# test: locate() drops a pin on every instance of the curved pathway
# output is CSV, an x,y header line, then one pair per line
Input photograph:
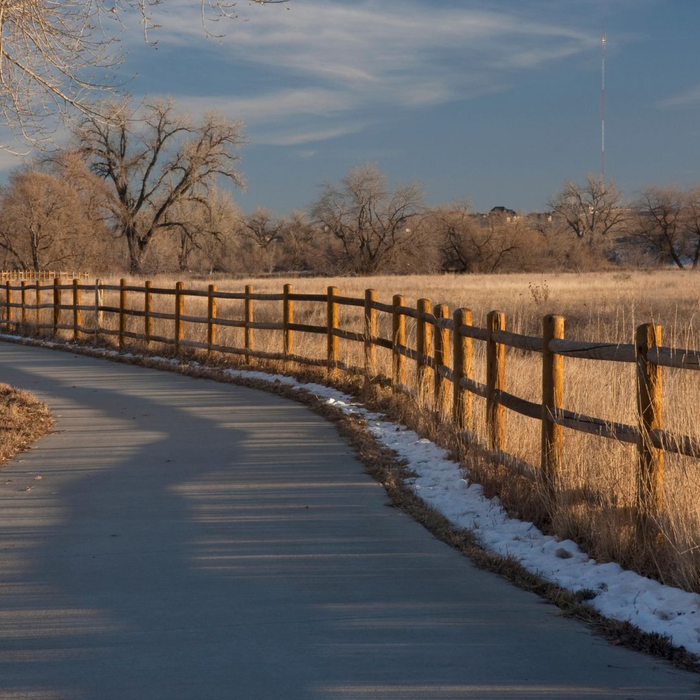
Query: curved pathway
x,y
189,540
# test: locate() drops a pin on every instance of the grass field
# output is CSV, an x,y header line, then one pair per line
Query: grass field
x,y
597,486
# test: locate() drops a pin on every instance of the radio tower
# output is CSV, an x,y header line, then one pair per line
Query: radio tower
x,y
602,109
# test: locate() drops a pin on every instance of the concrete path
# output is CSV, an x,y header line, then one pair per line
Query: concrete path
x,y
189,540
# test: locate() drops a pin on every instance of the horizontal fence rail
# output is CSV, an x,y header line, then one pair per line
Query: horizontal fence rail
x,y
443,355
42,275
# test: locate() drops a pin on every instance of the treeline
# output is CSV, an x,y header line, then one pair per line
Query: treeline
x,y
139,194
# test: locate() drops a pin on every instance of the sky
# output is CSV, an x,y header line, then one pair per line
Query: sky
x,y
497,102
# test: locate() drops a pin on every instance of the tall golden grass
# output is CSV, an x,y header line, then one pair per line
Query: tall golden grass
x,y
598,482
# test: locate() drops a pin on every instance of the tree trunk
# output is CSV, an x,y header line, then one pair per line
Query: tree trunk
x,y
136,251
676,258
34,243
183,260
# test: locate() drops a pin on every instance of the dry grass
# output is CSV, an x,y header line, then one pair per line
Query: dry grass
x,y
597,486
23,419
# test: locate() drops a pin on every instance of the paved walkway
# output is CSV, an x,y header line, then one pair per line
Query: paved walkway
x,y
189,540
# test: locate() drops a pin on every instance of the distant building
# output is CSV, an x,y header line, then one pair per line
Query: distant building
x,y
503,213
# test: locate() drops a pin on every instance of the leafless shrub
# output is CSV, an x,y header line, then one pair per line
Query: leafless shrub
x,y
592,210
45,222
368,219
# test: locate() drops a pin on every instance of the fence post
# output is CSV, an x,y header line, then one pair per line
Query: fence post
x,y
211,318
441,355
462,366
332,339
99,314
147,311
398,339
122,314
552,400
370,333
23,301
56,304
77,313
249,318
424,347
37,312
179,312
287,319
10,310
495,381
649,405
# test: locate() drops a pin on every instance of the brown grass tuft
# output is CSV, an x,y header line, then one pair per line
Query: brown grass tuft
x,y
23,419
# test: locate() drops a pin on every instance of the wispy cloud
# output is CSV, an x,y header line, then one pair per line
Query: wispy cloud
x,y
298,138
272,107
687,98
287,118
357,61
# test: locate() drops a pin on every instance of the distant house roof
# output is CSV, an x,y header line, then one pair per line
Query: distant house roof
x,y
502,210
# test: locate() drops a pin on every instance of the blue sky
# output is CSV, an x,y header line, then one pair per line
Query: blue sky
x,y
494,101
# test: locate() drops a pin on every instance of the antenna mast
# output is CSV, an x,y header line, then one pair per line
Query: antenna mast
x,y
602,108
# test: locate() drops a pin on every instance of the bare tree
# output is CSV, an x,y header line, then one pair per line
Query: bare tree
x,y
366,217
155,162
261,232
660,223
262,228
42,222
592,210
474,244
56,56
202,229
301,249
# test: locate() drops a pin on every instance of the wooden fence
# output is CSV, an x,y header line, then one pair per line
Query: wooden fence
x,y
40,275
443,355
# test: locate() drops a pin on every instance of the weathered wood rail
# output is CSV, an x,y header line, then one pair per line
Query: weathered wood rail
x,y
443,354
40,275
